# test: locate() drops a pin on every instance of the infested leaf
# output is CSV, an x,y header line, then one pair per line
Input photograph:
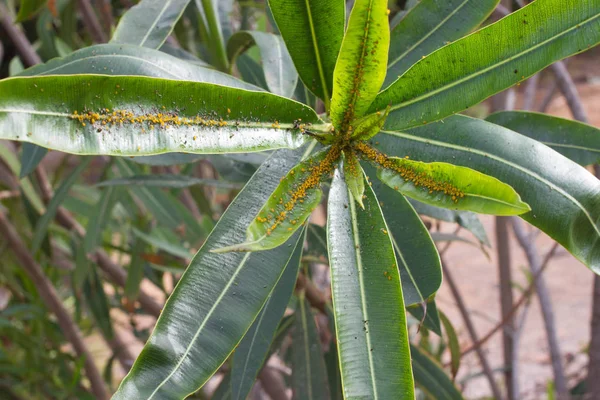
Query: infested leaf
x,y
446,185
289,206
354,176
370,125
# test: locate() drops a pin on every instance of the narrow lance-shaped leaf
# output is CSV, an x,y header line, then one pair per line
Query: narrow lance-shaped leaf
x,y
28,8
310,375
370,320
149,23
453,344
361,65
427,315
575,140
123,59
418,259
125,115
215,301
370,125
167,181
490,60
313,32
279,71
298,194
563,196
430,25
431,378
31,156
445,185
253,350
354,176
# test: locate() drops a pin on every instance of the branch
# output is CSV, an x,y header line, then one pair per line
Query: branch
x,y
560,382
314,296
569,91
24,48
471,329
50,297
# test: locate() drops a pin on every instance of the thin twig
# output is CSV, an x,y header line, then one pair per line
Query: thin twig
x,y
471,329
314,296
24,48
91,21
569,91
48,293
533,257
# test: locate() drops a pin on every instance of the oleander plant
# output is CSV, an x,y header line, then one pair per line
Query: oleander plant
x,y
355,108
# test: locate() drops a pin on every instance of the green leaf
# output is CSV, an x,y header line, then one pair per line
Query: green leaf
x,y
575,140
369,126
367,299
98,303
252,351
427,314
453,344
298,194
431,378
167,181
313,32
100,216
317,241
361,65
466,219
279,71
122,59
135,272
223,391
146,116
354,175
418,259
310,375
59,195
430,25
490,60
31,156
251,71
28,8
215,301
149,23
446,185
563,196
174,249
9,157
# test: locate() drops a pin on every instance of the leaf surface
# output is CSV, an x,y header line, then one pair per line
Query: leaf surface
x,y
563,196
575,140
313,32
370,320
430,25
490,60
215,302
126,115
361,65
431,378
149,23
279,71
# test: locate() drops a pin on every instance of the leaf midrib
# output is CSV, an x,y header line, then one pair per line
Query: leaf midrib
x,y
487,69
504,161
151,28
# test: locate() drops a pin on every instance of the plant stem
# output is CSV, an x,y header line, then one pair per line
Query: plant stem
x,y
50,297
24,48
215,34
560,382
471,329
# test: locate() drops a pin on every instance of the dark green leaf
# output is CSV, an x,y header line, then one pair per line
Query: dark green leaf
x,y
31,156
490,60
60,194
215,302
313,32
453,344
29,8
149,23
252,351
279,71
430,25
310,375
251,71
167,181
431,378
564,197
369,311
100,216
135,272
575,140
427,314
98,303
